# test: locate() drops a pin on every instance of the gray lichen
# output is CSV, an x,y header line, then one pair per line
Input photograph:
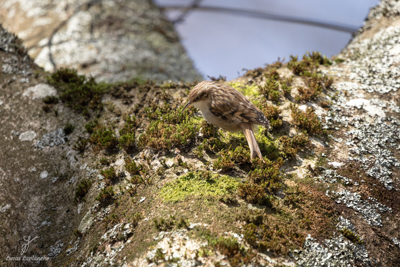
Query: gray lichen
x,y
331,176
55,138
370,211
336,251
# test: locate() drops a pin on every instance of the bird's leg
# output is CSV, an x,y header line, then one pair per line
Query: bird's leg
x,y
248,132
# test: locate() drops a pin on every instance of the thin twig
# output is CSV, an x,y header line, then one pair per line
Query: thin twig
x,y
262,15
187,10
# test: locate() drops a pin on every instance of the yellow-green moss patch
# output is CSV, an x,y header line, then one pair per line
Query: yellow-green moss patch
x,y
247,90
199,184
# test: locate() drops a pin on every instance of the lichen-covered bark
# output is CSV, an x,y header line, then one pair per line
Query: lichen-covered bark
x,y
115,174
110,40
34,182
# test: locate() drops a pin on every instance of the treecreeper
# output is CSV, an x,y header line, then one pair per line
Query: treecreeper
x,y
225,107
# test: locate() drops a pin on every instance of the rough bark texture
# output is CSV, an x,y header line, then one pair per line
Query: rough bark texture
x,y
110,40
138,183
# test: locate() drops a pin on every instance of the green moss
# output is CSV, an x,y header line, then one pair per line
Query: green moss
x,y
137,179
284,227
224,161
273,115
254,73
77,233
135,219
241,155
236,254
163,136
338,60
220,78
353,237
127,142
77,91
325,104
251,216
307,68
271,112
81,145
316,83
69,128
82,189
105,194
47,108
278,237
297,67
138,172
309,63
271,89
268,71
255,193
318,58
129,126
229,157
268,172
50,100
265,179
127,85
105,161
199,184
228,246
272,73
198,151
159,255
91,125
247,90
291,145
212,137
109,175
104,138
293,196
269,148
132,167
165,224
307,120
168,85
250,234
110,106
274,95
286,85
111,219
168,128
209,130
233,148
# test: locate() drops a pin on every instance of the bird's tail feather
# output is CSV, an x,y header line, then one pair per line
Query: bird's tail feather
x,y
251,139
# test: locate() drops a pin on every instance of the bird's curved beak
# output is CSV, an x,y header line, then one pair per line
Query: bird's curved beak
x,y
186,106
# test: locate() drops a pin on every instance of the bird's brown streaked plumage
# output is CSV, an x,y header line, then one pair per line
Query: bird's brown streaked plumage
x,y
227,108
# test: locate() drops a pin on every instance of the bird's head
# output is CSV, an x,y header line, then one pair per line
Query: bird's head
x,y
199,93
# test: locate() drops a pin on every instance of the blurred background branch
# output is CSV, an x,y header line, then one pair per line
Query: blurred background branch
x,y
255,14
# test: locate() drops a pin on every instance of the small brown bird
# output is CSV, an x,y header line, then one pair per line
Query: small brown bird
x,y
228,109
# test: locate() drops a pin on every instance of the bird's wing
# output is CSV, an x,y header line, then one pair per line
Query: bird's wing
x,y
231,105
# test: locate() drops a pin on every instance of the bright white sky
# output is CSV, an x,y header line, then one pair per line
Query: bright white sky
x,y
222,44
